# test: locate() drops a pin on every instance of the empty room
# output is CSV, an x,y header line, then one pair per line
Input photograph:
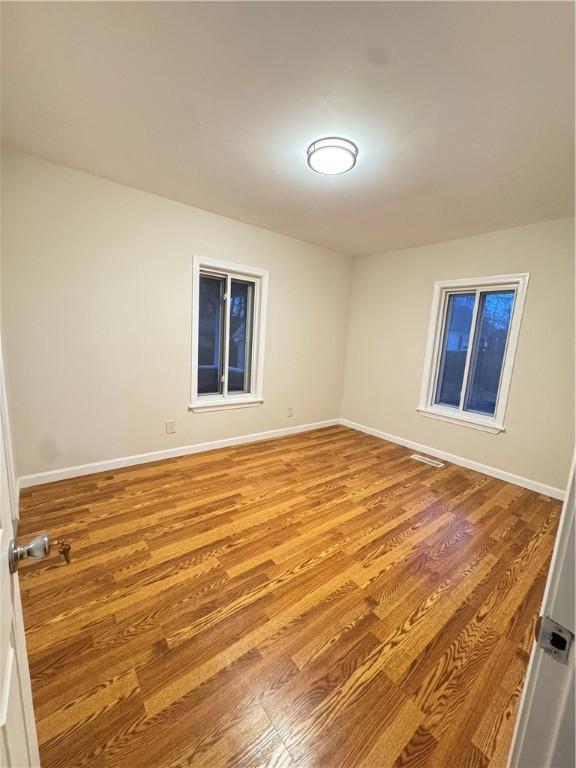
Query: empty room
x,y
287,385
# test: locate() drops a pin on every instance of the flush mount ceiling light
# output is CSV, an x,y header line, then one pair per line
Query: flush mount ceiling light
x,y
332,156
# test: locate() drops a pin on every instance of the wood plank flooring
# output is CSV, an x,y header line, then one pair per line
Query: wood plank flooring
x,y
316,601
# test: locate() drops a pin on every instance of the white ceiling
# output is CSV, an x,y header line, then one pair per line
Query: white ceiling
x,y
463,111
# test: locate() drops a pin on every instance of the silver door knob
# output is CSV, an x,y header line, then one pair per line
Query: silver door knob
x,y
39,547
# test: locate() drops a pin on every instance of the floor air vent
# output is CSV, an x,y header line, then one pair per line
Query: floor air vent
x,y
426,460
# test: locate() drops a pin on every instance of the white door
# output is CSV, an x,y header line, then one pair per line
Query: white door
x,y
544,736
18,742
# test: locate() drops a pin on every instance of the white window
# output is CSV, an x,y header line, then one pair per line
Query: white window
x,y
474,326
228,333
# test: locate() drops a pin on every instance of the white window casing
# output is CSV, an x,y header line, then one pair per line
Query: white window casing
x,y
259,278
438,317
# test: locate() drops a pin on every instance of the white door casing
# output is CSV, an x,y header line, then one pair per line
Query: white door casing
x,y
18,740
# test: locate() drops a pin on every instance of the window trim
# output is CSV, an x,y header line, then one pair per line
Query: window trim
x,y
442,288
231,270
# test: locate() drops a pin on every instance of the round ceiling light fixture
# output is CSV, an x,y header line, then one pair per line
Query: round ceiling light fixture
x,y
332,156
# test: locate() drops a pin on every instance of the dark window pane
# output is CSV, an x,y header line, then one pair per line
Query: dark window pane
x,y
454,348
240,340
494,315
210,335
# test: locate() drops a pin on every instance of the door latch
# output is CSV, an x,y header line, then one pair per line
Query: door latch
x,y
553,638
64,549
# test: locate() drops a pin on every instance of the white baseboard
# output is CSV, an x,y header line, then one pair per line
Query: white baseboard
x,y
26,481
532,485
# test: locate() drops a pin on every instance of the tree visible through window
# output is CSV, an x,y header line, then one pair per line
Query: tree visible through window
x,y
493,325
210,334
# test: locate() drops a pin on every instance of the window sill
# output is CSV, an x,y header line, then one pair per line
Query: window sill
x,y
210,404
485,425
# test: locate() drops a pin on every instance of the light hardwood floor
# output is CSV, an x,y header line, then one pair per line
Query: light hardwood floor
x,y
316,601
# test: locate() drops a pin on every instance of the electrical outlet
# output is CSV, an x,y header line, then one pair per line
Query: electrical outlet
x,y
290,412
170,427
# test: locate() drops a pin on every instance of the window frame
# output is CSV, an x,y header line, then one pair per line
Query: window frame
x,y
432,359
230,271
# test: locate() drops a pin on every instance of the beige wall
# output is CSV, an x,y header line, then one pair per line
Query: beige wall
x,y
96,305
97,308
389,315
